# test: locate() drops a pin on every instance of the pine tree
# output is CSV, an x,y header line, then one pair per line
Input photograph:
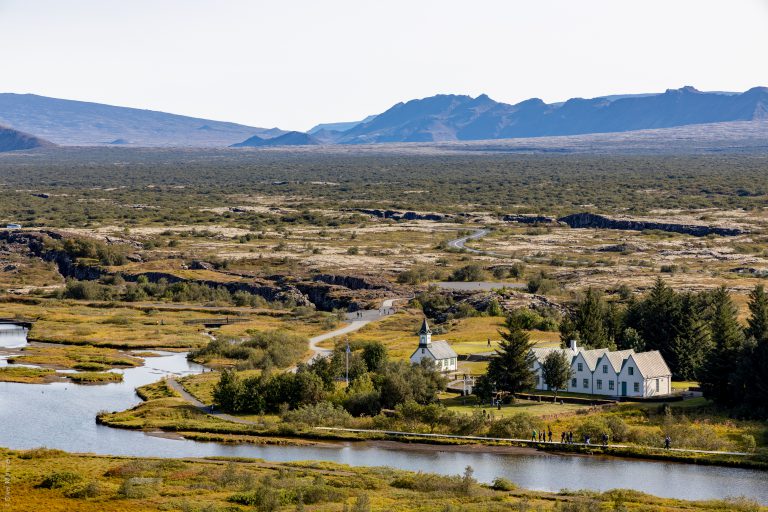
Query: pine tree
x,y
511,367
660,312
756,379
689,348
717,379
589,320
757,325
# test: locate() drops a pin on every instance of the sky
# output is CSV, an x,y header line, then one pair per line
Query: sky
x,y
296,63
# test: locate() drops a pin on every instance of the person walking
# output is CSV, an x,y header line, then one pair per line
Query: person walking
x,y
605,439
549,433
667,442
562,438
535,434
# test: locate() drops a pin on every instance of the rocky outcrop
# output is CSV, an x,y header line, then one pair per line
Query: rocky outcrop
x,y
529,219
67,267
591,220
353,282
397,215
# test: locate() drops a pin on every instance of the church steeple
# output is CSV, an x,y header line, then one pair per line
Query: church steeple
x,y
425,334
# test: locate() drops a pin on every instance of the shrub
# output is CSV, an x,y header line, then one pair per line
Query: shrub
x,y
60,479
319,414
82,490
502,484
518,426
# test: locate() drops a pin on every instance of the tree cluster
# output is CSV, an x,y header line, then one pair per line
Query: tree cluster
x,y
375,383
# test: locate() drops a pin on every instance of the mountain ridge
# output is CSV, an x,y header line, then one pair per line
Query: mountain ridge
x,y
74,123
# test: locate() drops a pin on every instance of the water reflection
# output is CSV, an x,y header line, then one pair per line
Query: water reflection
x,y
12,336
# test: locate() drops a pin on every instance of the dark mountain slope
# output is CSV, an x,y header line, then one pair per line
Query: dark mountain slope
x,y
288,139
14,140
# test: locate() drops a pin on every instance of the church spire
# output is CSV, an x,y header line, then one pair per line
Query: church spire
x,y
425,334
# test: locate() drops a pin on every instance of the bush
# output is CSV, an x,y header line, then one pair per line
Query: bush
x,y
321,414
84,490
517,426
60,479
471,272
502,484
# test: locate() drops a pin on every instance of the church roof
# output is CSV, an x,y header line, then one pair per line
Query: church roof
x,y
424,327
439,350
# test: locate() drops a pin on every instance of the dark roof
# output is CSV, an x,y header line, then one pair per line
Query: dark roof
x,y
424,327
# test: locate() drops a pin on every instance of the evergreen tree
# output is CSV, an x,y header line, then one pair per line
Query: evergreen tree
x,y
717,378
691,345
756,381
757,325
568,331
511,367
659,317
589,320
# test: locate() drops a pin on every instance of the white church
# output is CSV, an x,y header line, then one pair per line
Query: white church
x,y
444,357
610,373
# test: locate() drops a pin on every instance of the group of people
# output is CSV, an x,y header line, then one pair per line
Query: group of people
x,y
565,437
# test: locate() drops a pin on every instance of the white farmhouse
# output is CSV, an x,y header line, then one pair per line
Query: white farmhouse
x,y
610,373
445,358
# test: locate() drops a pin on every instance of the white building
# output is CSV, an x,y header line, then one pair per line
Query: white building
x,y
610,373
445,358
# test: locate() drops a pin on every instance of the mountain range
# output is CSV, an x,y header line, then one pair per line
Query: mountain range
x,y
459,118
79,123
441,118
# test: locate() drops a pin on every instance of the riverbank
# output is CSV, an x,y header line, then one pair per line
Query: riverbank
x,y
54,480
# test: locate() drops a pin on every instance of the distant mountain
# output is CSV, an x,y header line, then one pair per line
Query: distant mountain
x,y
338,127
14,140
288,139
78,123
453,117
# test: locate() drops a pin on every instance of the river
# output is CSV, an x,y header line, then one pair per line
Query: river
x,y
61,415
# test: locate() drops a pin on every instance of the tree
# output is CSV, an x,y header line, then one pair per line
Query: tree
x,y
722,361
757,358
590,319
568,332
691,345
511,367
226,394
757,324
374,355
556,371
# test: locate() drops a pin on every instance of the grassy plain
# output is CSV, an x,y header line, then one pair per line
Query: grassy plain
x,y
52,480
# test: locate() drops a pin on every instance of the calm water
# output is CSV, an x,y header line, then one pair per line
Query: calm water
x,y
62,416
12,336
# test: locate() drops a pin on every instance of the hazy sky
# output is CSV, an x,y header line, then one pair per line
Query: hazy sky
x,y
295,63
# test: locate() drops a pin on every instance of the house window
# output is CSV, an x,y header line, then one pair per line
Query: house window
x,y
422,351
631,370
573,383
599,384
586,383
580,367
605,368
657,385
610,385
637,387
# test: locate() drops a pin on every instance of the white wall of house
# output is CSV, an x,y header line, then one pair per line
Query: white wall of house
x,y
606,378
443,365
582,374
631,381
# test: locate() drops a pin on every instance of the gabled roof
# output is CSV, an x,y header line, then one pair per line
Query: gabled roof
x,y
424,328
440,350
541,353
617,358
651,364
591,356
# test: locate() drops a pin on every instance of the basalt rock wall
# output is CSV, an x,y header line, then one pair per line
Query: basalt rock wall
x,y
591,220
